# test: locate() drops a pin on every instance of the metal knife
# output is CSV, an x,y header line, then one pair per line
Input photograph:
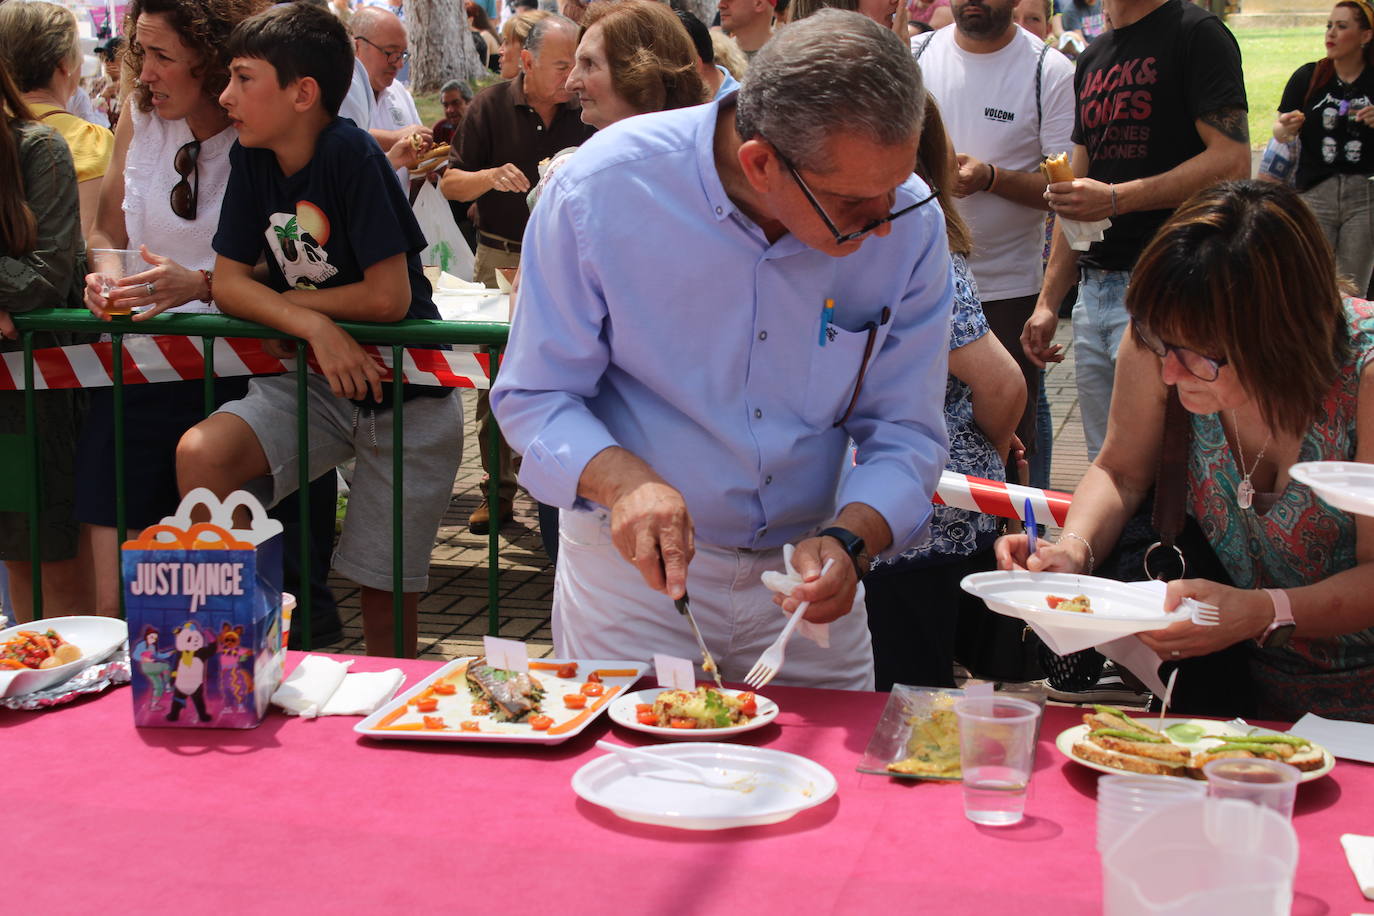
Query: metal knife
x,y
707,661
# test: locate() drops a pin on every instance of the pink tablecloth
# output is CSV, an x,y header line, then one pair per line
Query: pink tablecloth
x,y
305,816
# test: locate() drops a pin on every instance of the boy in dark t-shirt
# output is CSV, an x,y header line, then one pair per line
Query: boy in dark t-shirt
x,y
1160,115
315,195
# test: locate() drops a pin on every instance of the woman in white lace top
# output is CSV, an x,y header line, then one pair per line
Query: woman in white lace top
x,y
161,196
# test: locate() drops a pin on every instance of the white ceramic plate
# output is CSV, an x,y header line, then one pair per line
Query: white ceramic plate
x,y
622,712
96,637
1347,485
457,707
1071,736
1118,608
771,787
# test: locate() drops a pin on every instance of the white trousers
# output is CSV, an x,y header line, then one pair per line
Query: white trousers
x,y
602,608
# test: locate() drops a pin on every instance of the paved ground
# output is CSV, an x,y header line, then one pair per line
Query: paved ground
x,y
453,616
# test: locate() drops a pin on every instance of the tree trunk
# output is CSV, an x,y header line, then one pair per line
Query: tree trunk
x,y
440,44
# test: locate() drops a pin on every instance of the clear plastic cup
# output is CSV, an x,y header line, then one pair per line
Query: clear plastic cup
x,y
996,753
113,265
1123,800
1265,782
288,606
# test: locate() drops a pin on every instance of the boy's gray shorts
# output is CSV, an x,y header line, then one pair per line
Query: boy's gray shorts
x,y
339,430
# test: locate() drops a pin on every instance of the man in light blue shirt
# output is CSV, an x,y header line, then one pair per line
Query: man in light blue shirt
x,y
678,386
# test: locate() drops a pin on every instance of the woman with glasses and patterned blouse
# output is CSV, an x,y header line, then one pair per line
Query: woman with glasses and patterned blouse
x,y
162,197
1235,303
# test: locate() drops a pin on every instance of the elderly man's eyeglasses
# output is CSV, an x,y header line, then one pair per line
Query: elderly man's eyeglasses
x,y
1206,368
395,58
841,238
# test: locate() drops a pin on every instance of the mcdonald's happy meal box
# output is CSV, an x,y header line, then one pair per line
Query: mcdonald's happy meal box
x,y
203,601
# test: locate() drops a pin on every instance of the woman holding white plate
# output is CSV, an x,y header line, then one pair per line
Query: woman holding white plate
x,y
1236,304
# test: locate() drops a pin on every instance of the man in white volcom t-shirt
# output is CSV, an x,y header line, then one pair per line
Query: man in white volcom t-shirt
x,y
1007,102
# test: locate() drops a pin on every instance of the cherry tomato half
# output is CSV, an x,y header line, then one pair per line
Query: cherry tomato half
x,y
539,723
646,717
682,722
593,690
594,678
469,726
567,671
427,705
574,701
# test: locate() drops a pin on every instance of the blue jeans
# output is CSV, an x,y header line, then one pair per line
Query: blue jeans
x,y
1099,319
1044,439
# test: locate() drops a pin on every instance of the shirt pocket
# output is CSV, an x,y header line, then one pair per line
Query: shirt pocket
x,y
835,369
580,528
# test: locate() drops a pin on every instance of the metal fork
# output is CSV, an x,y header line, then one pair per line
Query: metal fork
x,y
766,668
1204,615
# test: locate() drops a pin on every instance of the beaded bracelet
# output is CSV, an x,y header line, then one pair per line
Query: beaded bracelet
x,y
209,276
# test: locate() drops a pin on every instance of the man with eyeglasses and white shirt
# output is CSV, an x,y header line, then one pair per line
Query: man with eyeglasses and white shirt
x,y
714,302
381,46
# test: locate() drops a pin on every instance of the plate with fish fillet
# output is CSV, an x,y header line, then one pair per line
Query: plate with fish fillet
x,y
469,700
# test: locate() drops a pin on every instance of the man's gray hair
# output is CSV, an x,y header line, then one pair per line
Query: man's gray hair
x,y
463,88
832,72
553,22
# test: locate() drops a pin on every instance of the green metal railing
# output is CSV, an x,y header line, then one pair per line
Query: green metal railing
x,y
491,337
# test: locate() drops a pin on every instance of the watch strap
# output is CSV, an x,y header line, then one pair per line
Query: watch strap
x,y
1283,618
852,544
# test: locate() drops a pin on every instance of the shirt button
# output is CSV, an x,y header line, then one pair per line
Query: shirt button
x,y
758,414
719,211
763,335
767,480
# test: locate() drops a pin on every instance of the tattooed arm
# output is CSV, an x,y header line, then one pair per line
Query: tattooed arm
x,y
1226,156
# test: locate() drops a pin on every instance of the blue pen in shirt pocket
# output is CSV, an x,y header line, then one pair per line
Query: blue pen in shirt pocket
x,y
827,318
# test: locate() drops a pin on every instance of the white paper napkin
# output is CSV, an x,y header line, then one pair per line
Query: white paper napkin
x,y
1359,852
1347,740
363,692
1081,235
323,687
783,583
310,685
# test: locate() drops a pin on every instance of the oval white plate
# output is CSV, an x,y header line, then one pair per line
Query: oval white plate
x,y
1347,485
1118,607
1071,736
772,786
96,637
622,712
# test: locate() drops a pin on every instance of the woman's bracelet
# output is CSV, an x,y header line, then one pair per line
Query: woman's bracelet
x,y
1092,561
209,276
992,176
1113,187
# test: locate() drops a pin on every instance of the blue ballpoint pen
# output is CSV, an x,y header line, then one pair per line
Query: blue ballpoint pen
x,y
1032,532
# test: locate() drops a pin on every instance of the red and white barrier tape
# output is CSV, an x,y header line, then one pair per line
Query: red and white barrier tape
x,y
173,358
1006,500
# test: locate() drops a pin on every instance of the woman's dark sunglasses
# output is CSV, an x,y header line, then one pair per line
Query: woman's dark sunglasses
x,y
186,191
1206,368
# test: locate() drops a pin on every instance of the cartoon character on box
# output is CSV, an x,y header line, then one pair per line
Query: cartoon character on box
x,y
236,682
153,663
194,647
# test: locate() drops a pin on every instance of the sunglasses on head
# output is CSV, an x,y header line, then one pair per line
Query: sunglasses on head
x,y
186,191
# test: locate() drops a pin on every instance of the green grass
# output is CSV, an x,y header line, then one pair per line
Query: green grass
x,y
1269,58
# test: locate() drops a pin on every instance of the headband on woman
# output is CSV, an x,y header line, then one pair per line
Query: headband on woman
x,y
1367,9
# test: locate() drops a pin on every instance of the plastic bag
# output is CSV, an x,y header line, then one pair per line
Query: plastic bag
x,y
1280,161
447,249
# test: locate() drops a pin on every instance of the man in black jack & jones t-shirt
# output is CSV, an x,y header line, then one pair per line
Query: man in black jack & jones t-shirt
x,y
1160,114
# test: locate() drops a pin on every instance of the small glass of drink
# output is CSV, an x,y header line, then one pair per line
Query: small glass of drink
x,y
113,265
996,752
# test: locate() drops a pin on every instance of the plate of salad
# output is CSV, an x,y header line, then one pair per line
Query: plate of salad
x,y
706,713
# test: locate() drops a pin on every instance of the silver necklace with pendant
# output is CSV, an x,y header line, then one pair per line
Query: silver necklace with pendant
x,y
1245,492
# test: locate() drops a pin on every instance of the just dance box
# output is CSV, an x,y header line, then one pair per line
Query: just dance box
x,y
203,601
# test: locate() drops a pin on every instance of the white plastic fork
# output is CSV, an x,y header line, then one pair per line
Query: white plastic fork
x,y
1204,615
770,662
691,770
